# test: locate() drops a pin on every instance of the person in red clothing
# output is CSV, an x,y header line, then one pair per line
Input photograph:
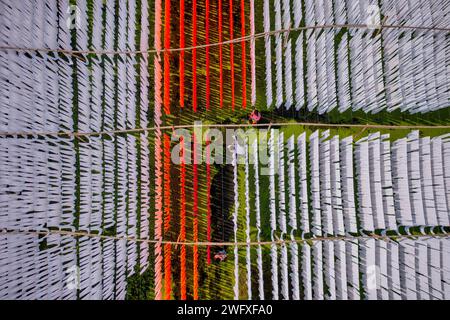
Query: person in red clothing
x,y
221,255
255,116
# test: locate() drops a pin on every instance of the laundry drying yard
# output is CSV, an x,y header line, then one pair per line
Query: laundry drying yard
x,y
340,191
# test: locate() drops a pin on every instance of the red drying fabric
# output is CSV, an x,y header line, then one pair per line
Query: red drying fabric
x,y
208,201
167,218
244,67
195,227
167,270
232,54
220,54
167,58
183,221
207,55
194,55
182,45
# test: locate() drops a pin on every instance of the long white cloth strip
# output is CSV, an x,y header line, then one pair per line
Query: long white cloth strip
x,y
321,71
247,220
278,55
414,178
273,156
382,270
395,292
400,182
282,217
284,272
121,218
375,180
303,186
86,187
434,269
364,191
96,87
144,231
386,184
299,73
286,24
310,36
268,53
298,57
343,74
121,107
336,193
274,271
407,269
273,146
144,224
341,270
109,270
292,185
108,117
288,75
325,183
306,271
108,183
294,274
293,218
391,57
445,252
281,186
369,270
446,164
330,62
348,193
352,258
317,270
357,57
96,269
82,72
315,183
438,181
258,220
235,219
329,270
422,265
132,205
85,247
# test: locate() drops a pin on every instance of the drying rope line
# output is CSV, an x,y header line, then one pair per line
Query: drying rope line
x,y
219,125
219,244
231,41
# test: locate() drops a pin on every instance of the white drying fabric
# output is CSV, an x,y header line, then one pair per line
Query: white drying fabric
x,y
390,69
